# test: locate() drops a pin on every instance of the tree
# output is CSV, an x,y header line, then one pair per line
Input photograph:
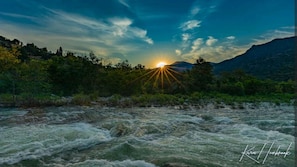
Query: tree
x,y
94,59
124,65
9,70
8,59
34,79
201,75
139,67
59,52
65,74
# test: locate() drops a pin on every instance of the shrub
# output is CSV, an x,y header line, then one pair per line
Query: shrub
x,y
233,89
81,99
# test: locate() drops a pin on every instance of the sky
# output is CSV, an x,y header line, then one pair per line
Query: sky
x,y
148,31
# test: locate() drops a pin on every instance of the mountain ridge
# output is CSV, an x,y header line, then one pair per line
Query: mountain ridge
x,y
272,60
181,66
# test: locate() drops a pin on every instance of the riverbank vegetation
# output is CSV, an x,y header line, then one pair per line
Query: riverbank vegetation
x,y
31,76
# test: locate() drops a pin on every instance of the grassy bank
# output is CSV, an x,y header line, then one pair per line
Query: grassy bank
x,y
144,100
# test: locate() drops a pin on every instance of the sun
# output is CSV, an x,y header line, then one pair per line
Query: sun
x,y
161,64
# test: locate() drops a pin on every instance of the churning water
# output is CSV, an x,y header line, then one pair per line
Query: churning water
x,y
261,135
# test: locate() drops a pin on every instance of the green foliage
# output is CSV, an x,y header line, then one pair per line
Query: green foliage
x,y
115,99
81,99
6,98
156,100
233,89
34,78
26,100
200,76
30,75
8,59
197,96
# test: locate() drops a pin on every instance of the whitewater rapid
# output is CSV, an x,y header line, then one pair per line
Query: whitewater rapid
x,y
208,135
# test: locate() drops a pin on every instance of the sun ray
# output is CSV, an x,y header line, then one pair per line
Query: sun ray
x,y
157,77
166,75
161,76
174,77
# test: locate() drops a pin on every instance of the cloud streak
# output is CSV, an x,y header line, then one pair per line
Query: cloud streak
x,y
273,34
20,16
80,34
211,40
214,51
209,49
123,2
194,11
189,25
196,44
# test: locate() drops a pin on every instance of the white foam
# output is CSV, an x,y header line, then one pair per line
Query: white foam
x,y
105,163
157,134
7,113
31,142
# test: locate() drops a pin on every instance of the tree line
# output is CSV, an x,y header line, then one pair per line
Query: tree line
x,y
30,72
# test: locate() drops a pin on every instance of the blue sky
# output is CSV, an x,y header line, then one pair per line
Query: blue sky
x,y
148,31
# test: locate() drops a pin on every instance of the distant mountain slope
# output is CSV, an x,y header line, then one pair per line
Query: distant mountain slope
x,y
181,66
273,60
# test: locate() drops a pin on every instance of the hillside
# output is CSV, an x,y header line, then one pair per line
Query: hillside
x,y
273,60
181,66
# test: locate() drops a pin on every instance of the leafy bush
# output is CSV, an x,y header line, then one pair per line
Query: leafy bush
x,y
81,99
233,89
115,99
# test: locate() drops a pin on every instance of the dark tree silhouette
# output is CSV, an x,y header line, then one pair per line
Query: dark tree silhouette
x,y
59,52
201,75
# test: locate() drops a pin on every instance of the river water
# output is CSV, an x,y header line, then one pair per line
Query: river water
x,y
211,135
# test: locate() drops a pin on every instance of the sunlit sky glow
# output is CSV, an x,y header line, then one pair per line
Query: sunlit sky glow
x,y
161,64
148,31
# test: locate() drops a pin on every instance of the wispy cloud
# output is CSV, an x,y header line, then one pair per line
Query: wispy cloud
x,y
189,25
212,51
20,16
196,44
79,33
210,41
121,22
186,40
273,34
230,37
186,36
119,26
125,3
194,11
116,26
178,52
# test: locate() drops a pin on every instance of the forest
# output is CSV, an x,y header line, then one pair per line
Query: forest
x,y
29,74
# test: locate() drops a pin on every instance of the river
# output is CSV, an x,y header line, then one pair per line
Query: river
x,y
209,135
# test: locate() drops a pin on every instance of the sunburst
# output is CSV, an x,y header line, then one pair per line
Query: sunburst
x,y
161,64
163,75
